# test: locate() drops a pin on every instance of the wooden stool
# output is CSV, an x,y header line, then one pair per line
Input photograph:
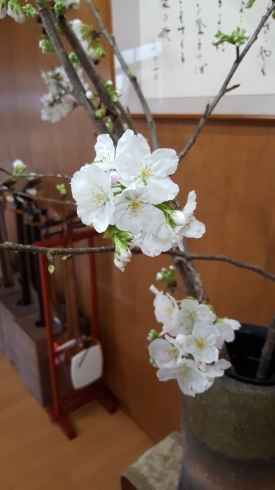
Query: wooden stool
x,y
157,469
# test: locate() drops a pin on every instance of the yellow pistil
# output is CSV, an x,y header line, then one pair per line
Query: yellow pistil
x,y
135,207
107,157
184,371
145,173
169,310
190,220
174,352
200,344
97,198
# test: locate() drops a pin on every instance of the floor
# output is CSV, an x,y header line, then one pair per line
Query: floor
x,y
34,454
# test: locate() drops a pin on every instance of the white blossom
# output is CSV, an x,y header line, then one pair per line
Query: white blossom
x,y
215,370
192,228
165,308
154,244
106,152
91,188
3,9
189,313
14,11
202,343
190,379
55,108
138,167
226,328
135,211
18,165
163,353
59,101
76,26
122,258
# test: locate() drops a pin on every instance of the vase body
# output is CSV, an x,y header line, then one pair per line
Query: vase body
x,y
228,432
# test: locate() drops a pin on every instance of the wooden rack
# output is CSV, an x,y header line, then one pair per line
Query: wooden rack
x,y
60,408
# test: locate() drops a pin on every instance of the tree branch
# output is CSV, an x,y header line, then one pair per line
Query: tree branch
x,y
267,351
33,175
191,279
111,40
223,258
237,62
30,197
125,116
17,247
136,251
78,89
92,73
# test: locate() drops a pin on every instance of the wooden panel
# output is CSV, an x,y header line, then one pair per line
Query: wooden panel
x,y
232,170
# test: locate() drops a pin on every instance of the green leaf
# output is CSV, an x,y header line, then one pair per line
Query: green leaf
x,y
249,4
86,29
62,189
51,268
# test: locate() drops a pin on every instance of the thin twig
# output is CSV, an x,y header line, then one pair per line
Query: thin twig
x,y
92,73
78,89
33,175
111,40
222,91
267,351
136,251
224,258
17,247
125,116
30,197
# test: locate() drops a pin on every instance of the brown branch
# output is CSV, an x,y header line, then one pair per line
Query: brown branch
x,y
267,351
190,277
33,175
237,62
78,89
93,75
111,40
125,116
17,247
174,253
38,198
223,258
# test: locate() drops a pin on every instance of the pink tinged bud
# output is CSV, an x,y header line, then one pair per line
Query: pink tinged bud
x,y
114,177
179,218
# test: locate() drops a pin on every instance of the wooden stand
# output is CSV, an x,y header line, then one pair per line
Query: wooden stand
x,y
60,408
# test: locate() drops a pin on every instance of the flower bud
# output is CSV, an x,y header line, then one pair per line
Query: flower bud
x,y
89,95
179,218
153,334
159,276
60,8
114,177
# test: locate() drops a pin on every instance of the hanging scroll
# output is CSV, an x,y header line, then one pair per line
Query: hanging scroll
x,y
168,45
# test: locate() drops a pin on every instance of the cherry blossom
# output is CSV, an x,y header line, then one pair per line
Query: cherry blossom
x,y
138,167
190,312
189,226
135,210
190,379
202,343
92,190
154,244
14,11
165,308
122,258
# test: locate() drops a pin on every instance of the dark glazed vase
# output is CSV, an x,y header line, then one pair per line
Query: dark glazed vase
x,y
228,432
